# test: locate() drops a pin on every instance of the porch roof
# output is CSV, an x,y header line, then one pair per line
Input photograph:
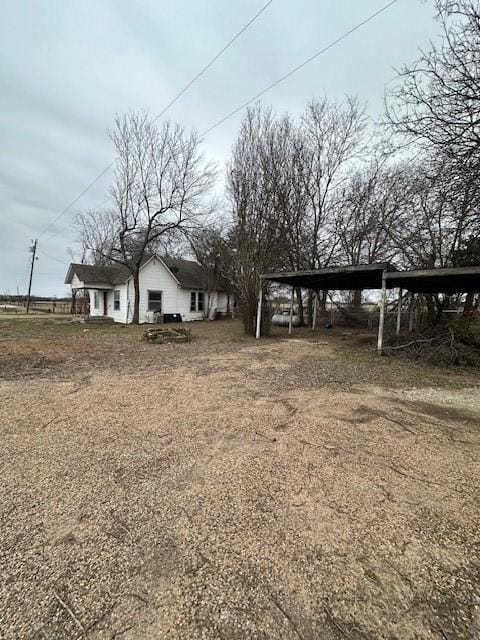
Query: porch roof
x,y
93,275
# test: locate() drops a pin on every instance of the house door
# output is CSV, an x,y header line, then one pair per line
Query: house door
x,y
105,302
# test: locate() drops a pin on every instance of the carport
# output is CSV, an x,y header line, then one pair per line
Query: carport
x,y
381,276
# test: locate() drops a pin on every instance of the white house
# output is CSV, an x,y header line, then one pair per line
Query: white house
x,y
167,286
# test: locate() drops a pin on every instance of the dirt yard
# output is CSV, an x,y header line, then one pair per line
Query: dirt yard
x,y
229,488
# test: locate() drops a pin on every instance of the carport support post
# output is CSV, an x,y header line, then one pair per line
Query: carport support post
x,y
315,304
381,320
399,311
291,311
259,310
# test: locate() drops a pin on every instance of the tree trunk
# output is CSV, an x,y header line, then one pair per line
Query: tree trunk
x,y
468,306
249,316
206,313
266,324
431,310
357,297
323,300
136,302
298,292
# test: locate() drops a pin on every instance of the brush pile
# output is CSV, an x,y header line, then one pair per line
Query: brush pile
x,y
453,344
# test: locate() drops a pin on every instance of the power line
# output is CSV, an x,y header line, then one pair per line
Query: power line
x,y
70,205
273,84
301,65
49,256
166,108
213,60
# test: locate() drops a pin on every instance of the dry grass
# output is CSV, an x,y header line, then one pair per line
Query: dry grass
x,y
229,488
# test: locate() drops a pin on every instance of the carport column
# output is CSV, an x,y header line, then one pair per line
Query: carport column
x,y
259,310
399,311
291,311
381,320
315,303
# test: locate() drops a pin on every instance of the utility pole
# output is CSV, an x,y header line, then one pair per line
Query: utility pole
x,y
33,249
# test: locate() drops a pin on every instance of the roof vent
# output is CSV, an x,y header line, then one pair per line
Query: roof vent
x,y
174,269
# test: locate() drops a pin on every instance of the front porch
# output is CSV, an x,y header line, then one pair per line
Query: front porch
x,y
92,301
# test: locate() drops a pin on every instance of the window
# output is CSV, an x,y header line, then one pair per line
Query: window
x,y
116,300
196,300
95,299
155,301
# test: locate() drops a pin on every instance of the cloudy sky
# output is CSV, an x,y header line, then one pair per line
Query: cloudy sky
x,y
68,66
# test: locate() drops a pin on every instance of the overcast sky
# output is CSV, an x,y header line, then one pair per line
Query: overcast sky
x,y
67,67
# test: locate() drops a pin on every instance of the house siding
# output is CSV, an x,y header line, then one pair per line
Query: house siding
x,y
223,303
121,314
96,312
184,306
155,277
76,283
213,301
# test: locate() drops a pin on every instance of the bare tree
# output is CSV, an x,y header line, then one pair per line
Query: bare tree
x,y
332,141
437,220
283,186
436,105
369,203
96,232
161,181
258,233
438,213
333,135
437,102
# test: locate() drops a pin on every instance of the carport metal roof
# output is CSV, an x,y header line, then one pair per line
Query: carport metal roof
x,y
369,276
452,280
364,276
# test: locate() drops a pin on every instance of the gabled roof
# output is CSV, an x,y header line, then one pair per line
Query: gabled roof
x,y
96,274
189,274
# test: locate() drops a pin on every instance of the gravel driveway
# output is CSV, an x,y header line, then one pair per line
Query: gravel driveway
x,y
228,488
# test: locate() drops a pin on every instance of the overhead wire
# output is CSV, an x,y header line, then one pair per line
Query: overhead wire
x,y
287,75
300,66
164,110
49,256
340,38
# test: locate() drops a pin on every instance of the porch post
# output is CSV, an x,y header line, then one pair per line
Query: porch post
x,y
315,304
291,311
399,311
381,320
259,310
